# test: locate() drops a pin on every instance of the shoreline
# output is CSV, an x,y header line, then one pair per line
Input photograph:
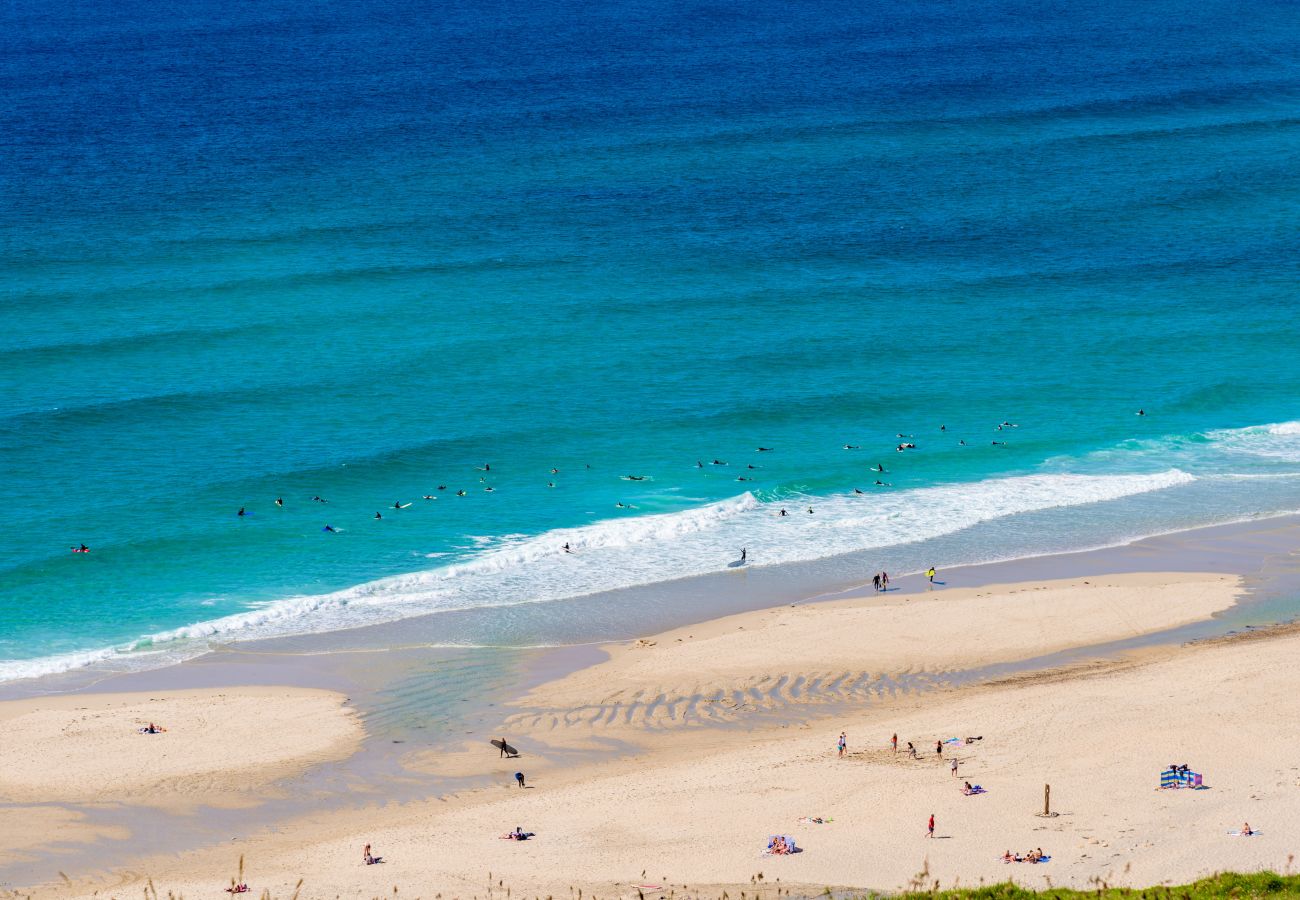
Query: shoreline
x,y
653,607
1236,543
384,771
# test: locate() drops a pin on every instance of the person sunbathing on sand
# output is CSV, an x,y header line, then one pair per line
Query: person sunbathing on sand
x,y
778,846
517,835
237,889
1245,830
1007,857
369,857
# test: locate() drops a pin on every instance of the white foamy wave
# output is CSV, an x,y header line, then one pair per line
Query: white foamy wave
x,y
641,550
1280,441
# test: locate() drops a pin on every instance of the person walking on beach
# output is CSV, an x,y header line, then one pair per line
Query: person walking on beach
x,y
842,744
519,778
503,747
930,574
884,581
875,582
953,765
893,742
938,749
911,750
930,830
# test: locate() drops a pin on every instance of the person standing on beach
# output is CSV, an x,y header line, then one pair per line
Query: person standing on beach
x,y
884,581
503,747
894,742
953,765
930,830
875,582
938,748
930,574
842,744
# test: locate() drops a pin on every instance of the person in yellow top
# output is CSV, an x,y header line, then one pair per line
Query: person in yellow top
x,y
930,574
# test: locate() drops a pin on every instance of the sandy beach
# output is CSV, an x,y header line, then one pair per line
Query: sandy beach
x,y
694,806
217,747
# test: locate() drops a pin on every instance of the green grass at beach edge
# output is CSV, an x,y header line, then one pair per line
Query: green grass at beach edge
x,y
1225,885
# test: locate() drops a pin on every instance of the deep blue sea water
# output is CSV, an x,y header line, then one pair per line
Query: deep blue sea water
x,y
359,250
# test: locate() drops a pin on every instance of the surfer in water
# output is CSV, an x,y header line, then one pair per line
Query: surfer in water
x,y
567,548
857,490
329,529
82,549
783,513
378,516
279,501
241,512
460,493
764,450
877,468
397,505
319,499
744,554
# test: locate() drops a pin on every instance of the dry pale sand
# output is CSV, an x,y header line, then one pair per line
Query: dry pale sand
x,y
891,642
219,746
694,806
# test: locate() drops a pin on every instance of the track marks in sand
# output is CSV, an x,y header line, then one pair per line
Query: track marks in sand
x,y
665,708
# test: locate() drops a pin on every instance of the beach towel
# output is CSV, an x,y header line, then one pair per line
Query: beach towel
x,y
814,820
790,845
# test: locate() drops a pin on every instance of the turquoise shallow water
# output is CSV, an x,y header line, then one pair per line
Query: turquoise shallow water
x,y
359,251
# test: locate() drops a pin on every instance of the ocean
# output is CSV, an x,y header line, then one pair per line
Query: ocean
x,y
577,253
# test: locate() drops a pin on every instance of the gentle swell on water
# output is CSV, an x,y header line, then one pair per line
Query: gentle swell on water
x,y
644,550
